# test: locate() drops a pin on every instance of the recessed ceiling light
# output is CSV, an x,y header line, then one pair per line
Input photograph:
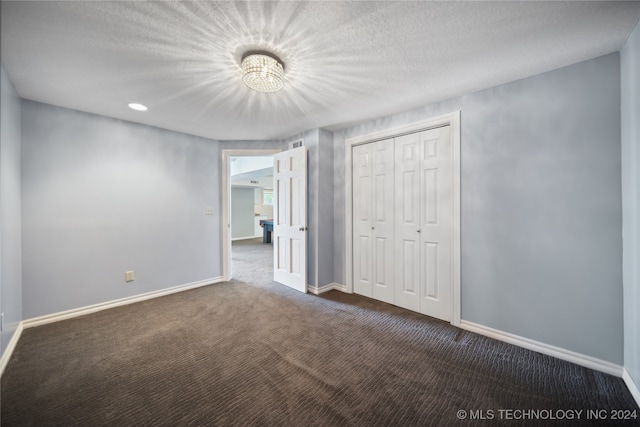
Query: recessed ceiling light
x,y
138,107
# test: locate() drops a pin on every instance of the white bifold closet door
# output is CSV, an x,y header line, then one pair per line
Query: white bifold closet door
x,y
402,221
423,222
373,220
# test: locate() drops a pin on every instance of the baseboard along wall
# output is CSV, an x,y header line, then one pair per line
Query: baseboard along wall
x,y
549,350
631,385
76,312
10,347
317,290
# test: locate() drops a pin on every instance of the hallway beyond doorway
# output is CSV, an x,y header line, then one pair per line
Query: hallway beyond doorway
x,y
252,261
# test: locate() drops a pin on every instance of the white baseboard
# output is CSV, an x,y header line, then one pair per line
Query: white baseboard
x,y
10,347
550,350
55,317
631,385
246,238
340,287
317,290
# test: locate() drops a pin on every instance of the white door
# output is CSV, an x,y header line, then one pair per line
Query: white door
x,y
424,191
436,206
383,212
373,220
290,218
362,221
407,219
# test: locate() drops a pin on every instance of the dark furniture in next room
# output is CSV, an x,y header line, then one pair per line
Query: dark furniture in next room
x,y
267,229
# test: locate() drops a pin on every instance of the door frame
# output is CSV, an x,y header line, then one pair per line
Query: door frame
x,y
226,205
451,119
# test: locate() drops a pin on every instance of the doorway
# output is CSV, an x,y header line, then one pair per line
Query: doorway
x,y
247,186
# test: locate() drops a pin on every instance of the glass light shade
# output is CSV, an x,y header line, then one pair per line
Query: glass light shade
x,y
262,72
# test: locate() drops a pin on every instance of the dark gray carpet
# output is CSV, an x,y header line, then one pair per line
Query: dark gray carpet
x,y
252,352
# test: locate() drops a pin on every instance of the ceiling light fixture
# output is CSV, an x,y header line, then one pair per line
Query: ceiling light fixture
x,y
138,107
262,71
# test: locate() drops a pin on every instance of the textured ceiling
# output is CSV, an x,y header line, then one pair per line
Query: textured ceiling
x,y
346,62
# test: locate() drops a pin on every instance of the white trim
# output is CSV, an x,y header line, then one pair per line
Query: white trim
x,y
246,238
4,360
441,120
455,238
317,290
340,287
549,350
451,119
348,214
76,312
224,218
631,385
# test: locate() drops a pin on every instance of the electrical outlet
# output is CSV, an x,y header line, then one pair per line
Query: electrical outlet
x,y
128,276
208,210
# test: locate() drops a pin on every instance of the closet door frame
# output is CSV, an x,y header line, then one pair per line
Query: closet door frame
x,y
451,119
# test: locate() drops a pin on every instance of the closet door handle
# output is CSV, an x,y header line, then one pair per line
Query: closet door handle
x,y
373,228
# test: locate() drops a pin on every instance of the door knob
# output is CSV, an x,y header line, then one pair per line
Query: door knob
x,y
418,231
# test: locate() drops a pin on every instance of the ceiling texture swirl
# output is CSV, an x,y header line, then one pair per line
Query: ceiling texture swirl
x,y
345,62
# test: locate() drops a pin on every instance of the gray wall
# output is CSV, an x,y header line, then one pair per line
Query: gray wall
x,y
102,196
10,216
540,206
319,143
630,89
242,212
325,208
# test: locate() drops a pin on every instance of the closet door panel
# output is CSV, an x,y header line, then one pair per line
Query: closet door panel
x,y
435,222
362,219
383,214
407,221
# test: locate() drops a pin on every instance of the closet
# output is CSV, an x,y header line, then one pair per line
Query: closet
x,y
373,213
402,221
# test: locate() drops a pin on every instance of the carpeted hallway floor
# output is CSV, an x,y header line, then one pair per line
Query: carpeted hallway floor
x,y
252,261
253,352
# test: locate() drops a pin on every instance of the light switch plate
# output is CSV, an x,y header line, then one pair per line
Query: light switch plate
x,y
128,276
